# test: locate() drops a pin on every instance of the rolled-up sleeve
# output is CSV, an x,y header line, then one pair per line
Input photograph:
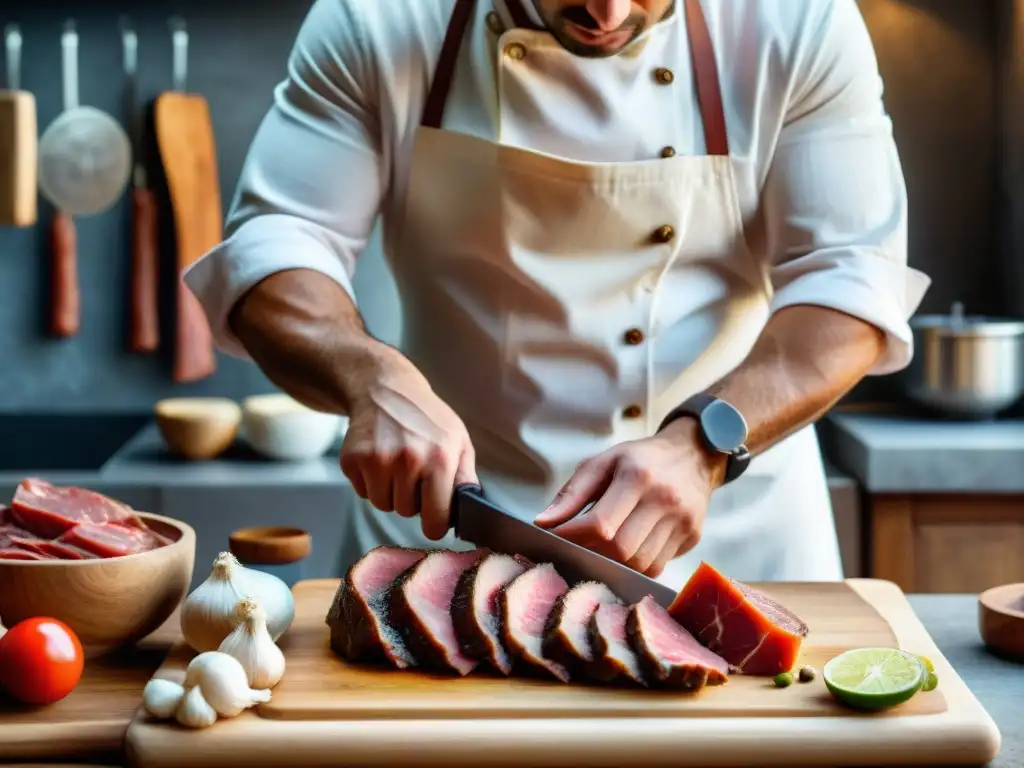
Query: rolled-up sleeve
x,y
312,184
835,200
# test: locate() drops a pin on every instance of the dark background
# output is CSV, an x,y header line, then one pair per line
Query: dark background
x,y
944,63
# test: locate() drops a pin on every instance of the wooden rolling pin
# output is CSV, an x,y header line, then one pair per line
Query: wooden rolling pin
x,y
65,302
18,142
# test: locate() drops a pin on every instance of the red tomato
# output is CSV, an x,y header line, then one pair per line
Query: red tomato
x,y
41,661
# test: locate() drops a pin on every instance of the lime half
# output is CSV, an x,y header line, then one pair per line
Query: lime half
x,y
874,678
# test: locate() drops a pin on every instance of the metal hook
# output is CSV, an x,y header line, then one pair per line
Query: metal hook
x,y
12,44
179,39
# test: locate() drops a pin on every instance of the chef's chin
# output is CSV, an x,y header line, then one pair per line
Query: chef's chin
x,y
580,42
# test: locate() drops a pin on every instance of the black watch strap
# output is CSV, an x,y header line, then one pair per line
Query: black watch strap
x,y
738,457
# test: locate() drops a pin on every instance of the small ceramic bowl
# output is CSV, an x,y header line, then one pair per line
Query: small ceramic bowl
x,y
279,427
111,602
1001,619
198,428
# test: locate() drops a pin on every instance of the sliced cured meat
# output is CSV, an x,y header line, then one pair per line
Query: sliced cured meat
x,y
524,605
48,510
755,634
565,636
10,553
109,539
669,656
475,608
420,604
613,658
358,617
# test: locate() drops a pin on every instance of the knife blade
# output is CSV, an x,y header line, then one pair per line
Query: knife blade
x,y
478,520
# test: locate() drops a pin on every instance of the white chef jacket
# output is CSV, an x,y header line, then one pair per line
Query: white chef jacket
x,y
825,197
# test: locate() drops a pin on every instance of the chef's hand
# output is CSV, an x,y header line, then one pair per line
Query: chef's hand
x,y
650,498
405,450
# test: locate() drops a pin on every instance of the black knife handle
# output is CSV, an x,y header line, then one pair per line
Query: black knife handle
x,y
462,491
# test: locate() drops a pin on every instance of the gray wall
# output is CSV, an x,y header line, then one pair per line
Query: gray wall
x,y
937,57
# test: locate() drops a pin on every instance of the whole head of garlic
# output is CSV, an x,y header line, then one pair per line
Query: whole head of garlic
x,y
208,615
224,683
251,644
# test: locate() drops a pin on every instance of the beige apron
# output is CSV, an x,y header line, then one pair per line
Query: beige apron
x,y
561,308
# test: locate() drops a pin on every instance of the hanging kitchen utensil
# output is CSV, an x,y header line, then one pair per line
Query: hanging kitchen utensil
x,y
144,323
84,160
184,136
18,142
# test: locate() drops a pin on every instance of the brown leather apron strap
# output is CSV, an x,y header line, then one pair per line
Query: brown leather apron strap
x,y
705,72
702,52
433,111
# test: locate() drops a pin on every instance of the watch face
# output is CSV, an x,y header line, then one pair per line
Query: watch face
x,y
724,426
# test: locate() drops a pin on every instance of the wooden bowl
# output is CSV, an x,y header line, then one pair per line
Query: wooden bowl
x,y
270,545
1001,619
109,603
198,428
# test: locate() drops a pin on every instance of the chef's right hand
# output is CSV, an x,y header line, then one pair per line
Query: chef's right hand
x,y
405,450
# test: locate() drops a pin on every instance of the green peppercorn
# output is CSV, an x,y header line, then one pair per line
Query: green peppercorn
x,y
807,674
784,679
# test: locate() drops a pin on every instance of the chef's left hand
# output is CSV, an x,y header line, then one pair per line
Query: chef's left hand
x,y
650,498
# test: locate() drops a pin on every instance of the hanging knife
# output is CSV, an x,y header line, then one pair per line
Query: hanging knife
x,y
479,521
144,325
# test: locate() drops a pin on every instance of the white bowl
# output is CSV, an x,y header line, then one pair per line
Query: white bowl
x,y
279,427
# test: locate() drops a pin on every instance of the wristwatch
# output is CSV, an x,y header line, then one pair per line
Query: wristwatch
x,y
722,427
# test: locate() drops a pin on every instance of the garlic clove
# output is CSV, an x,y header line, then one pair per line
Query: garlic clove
x,y
161,698
252,645
208,613
224,683
194,711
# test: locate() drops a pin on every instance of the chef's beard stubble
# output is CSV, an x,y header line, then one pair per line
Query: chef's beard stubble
x,y
557,19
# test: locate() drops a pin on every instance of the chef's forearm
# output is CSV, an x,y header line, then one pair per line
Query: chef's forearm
x,y
304,331
805,360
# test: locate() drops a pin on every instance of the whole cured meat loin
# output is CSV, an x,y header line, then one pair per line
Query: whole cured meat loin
x,y
565,636
475,608
109,539
358,617
613,658
669,656
524,605
49,511
420,606
742,624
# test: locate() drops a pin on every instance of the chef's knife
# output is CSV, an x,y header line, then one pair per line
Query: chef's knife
x,y
479,521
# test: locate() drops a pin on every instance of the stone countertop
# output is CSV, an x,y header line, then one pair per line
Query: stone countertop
x,y
952,621
901,453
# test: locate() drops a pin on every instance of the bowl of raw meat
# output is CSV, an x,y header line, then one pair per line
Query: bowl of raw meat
x,y
109,572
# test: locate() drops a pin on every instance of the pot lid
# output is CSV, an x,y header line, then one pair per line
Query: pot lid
x,y
958,324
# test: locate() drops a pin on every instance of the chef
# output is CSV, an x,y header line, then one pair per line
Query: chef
x,y
640,247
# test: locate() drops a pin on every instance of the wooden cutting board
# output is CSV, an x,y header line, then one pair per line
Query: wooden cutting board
x,y
90,724
327,712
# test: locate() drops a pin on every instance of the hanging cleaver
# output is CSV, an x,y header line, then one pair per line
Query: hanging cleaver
x,y
479,521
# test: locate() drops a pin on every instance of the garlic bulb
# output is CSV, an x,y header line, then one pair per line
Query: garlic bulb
x,y
194,711
223,682
208,614
252,645
161,698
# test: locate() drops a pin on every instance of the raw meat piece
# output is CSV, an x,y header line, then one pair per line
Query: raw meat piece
x,y
421,607
669,656
49,511
475,608
565,636
742,624
9,553
524,605
613,659
5,516
358,618
109,539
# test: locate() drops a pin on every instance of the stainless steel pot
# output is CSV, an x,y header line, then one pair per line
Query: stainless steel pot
x,y
966,366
